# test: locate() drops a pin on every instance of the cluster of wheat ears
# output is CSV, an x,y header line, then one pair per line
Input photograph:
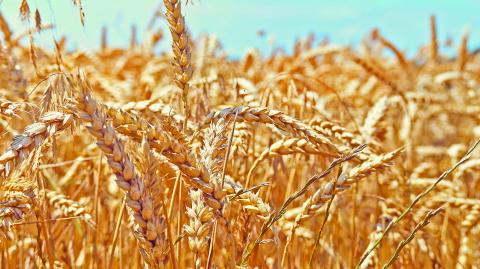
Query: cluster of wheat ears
x,y
326,157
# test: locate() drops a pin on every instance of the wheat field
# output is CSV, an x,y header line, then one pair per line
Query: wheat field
x,y
331,156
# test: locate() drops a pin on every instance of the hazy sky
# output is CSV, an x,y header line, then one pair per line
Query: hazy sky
x,y
236,22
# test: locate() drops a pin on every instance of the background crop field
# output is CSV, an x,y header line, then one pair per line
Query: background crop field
x,y
239,134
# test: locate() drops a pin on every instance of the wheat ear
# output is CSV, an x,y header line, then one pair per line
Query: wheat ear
x,y
138,198
199,226
33,137
181,49
471,219
276,118
69,207
285,147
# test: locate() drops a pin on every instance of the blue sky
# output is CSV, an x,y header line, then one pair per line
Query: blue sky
x,y
236,22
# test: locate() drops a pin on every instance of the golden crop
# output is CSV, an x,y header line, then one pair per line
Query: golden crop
x,y
328,157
